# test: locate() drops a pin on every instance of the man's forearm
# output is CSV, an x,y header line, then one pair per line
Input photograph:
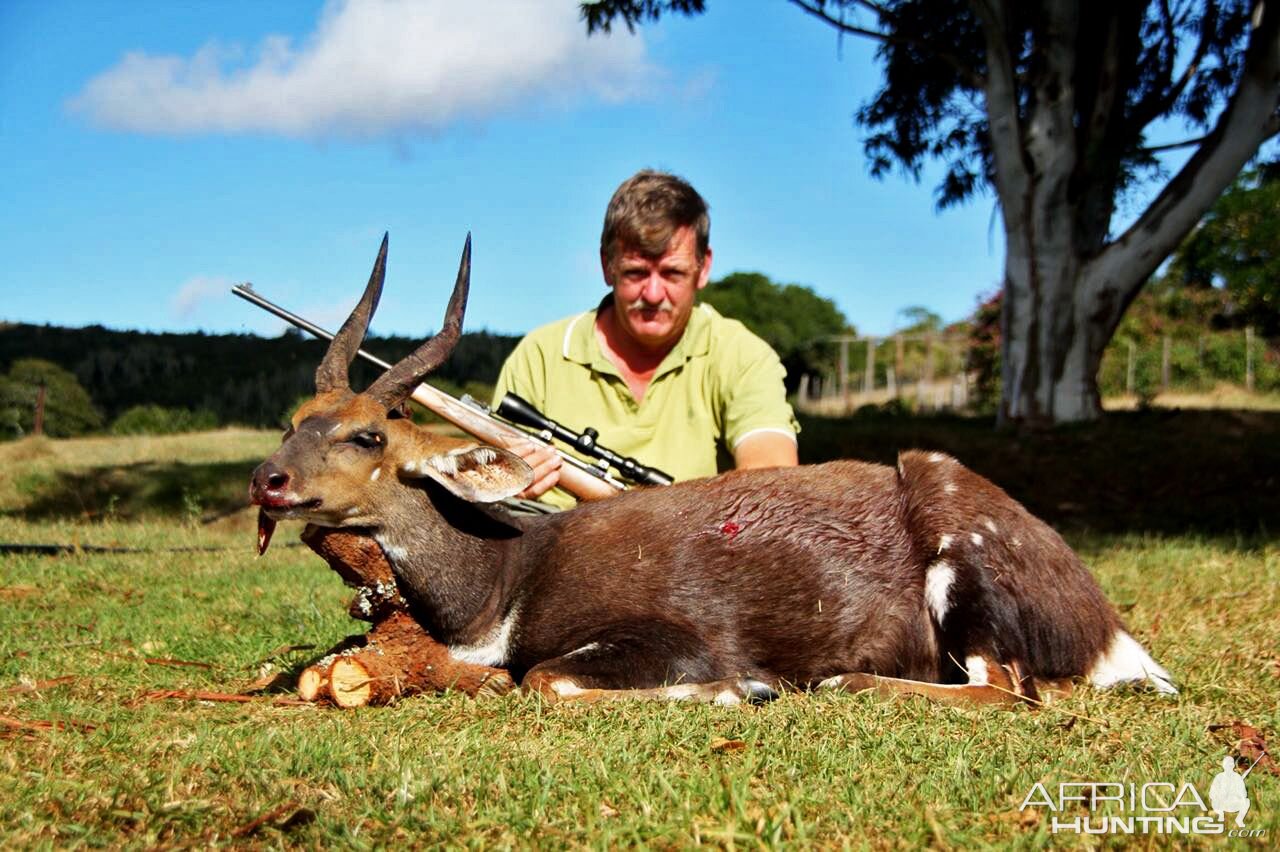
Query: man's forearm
x,y
766,449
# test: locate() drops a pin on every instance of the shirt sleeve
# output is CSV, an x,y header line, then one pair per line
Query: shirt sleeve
x,y
755,397
524,373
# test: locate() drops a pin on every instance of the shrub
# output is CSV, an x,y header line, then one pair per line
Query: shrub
x,y
68,410
158,420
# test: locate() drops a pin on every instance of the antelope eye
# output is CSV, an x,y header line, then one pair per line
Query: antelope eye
x,y
368,440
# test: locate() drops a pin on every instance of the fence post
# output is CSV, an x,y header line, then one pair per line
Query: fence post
x,y
870,384
844,369
38,427
1130,372
802,393
1248,358
1164,366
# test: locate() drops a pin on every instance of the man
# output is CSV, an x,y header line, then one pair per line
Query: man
x,y
670,383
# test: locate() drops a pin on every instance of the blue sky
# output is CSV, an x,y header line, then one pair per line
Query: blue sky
x,y
154,153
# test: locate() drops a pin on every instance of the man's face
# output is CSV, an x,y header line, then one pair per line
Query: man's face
x,y
653,297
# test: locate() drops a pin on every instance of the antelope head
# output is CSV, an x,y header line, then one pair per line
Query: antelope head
x,y
348,458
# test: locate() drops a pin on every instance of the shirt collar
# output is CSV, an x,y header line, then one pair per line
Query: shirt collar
x,y
582,347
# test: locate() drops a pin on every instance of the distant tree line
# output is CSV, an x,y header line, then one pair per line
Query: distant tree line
x,y
227,378
132,382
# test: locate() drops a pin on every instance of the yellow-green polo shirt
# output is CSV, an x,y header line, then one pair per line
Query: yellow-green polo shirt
x,y
719,384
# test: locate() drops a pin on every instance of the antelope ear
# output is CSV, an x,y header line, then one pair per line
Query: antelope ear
x,y
476,474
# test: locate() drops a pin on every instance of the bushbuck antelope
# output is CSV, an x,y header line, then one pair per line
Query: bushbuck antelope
x,y
923,579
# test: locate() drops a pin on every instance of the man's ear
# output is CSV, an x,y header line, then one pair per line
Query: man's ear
x,y
476,474
704,274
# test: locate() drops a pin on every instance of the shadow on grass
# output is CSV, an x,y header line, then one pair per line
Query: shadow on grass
x,y
1166,471
143,489
1216,472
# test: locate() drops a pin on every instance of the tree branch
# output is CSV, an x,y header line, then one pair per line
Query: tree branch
x,y
815,8
1249,118
1005,130
1157,103
1173,146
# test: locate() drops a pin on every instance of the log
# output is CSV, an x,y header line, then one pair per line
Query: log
x,y
397,657
402,659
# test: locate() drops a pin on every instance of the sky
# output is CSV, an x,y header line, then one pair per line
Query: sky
x,y
153,153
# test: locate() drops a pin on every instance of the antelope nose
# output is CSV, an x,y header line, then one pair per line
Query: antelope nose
x,y
267,478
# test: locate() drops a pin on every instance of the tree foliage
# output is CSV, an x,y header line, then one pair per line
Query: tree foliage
x,y
1237,248
68,410
789,317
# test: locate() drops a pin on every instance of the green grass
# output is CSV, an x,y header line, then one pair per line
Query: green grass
x,y
826,770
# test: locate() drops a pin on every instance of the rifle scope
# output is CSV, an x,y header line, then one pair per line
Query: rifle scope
x,y
519,410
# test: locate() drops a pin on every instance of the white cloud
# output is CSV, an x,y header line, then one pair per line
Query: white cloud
x,y
374,67
196,291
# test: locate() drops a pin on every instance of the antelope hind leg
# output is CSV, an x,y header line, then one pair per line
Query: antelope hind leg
x,y
989,683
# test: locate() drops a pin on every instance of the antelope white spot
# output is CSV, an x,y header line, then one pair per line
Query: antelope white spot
x,y
976,668
727,698
937,457
410,466
565,687
937,588
832,682
373,477
1125,661
585,649
976,539
949,488
396,554
354,510
491,650
944,543
1015,541
335,428
990,525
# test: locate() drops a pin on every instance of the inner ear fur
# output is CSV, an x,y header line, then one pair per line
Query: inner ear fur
x,y
476,474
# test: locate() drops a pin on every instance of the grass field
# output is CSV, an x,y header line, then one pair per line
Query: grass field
x,y
91,756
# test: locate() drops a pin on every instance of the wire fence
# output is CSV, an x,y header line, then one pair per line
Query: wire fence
x,y
940,372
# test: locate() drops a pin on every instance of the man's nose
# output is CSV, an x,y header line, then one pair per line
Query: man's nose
x,y
653,292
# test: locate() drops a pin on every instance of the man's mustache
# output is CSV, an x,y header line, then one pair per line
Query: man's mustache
x,y
641,305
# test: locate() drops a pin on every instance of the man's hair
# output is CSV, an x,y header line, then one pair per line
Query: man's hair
x,y
647,210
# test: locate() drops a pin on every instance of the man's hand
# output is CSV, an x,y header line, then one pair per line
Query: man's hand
x,y
546,464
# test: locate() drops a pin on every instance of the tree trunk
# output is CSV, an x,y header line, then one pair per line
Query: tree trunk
x,y
1052,342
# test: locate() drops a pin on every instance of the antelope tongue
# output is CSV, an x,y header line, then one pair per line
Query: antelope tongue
x,y
266,526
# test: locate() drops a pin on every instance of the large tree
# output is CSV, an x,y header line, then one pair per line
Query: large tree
x,y
1052,105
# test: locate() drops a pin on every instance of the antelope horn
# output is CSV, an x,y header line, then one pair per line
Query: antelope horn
x,y
394,386
332,372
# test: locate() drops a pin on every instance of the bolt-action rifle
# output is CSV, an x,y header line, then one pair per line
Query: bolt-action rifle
x,y
585,480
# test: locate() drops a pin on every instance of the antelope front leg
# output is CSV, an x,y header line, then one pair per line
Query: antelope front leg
x,y
733,690
653,661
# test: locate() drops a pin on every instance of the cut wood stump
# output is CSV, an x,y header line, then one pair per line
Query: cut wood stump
x,y
397,657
